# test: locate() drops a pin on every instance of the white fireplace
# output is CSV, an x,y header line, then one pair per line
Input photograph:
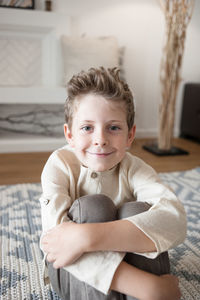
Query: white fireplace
x,y
31,79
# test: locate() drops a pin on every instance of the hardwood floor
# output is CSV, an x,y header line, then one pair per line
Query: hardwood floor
x,y
27,167
170,163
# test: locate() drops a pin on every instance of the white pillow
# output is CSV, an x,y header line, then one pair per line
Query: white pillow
x,y
82,53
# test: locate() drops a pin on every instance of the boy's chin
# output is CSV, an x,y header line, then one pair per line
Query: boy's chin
x,y
98,165
95,167
101,168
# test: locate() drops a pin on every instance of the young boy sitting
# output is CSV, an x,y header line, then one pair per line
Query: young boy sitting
x,y
107,218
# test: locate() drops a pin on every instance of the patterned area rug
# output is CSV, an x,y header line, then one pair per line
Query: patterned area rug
x,y
21,258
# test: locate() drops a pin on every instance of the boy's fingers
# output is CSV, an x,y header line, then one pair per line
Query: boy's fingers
x,y
50,258
44,240
56,265
45,236
45,248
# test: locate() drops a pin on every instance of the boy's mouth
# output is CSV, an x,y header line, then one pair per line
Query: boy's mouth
x,y
100,154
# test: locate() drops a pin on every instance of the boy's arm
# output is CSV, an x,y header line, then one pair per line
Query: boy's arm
x,y
68,241
165,222
120,235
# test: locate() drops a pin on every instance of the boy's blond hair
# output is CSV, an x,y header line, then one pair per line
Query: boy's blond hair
x,y
103,82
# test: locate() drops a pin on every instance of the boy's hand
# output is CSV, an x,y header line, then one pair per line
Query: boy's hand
x,y
64,244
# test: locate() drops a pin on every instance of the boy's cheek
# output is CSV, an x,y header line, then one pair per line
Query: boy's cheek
x,y
81,143
71,143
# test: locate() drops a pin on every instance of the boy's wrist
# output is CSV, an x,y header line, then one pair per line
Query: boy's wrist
x,y
89,237
85,237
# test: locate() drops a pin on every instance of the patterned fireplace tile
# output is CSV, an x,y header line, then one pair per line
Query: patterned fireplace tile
x,y
35,119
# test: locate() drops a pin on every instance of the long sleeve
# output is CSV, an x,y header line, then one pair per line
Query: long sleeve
x,y
55,199
165,222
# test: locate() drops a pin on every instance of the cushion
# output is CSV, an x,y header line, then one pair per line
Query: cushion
x,y
82,53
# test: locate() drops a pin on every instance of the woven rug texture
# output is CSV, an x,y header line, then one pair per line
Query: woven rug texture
x,y
20,229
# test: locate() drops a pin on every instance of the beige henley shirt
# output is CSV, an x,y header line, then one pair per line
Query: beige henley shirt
x,y
64,180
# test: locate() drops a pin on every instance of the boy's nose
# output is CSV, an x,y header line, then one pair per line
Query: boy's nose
x,y
100,139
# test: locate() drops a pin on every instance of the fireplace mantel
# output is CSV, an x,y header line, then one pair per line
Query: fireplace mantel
x,y
32,95
33,20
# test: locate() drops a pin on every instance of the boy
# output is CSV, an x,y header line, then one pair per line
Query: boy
x,y
115,202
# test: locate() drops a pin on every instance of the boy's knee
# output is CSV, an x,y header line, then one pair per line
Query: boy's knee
x,y
132,208
93,209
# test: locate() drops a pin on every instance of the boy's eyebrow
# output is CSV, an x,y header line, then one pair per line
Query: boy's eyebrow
x,y
93,121
117,121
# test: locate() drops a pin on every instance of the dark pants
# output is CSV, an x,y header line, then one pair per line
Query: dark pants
x,y
94,209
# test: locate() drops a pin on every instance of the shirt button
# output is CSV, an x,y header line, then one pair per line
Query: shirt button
x,y
46,201
94,175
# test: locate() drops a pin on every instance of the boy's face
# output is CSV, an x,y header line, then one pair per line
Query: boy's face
x,y
99,133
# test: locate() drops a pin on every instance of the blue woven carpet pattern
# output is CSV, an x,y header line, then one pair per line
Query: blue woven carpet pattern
x,y
185,259
20,229
21,258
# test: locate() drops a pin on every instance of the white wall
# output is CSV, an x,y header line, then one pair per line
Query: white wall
x,y
139,26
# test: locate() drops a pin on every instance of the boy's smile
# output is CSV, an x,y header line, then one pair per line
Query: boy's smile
x,y
99,133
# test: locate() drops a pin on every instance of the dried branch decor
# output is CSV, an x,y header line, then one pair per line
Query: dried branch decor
x,y
177,16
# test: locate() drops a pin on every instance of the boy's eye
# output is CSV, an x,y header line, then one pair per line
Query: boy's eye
x,y
114,128
86,128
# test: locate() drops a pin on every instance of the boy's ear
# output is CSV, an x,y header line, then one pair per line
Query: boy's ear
x,y
68,135
131,135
